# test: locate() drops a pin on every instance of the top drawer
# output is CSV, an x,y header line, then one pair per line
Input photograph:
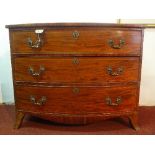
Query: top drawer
x,y
110,41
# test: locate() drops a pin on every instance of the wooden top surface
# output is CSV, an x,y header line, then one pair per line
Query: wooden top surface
x,y
33,25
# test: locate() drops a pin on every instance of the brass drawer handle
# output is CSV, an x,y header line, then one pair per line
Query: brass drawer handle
x,y
39,102
75,34
112,44
33,73
75,61
76,90
116,103
38,43
116,73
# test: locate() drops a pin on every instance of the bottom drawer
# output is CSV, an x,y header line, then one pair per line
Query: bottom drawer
x,y
76,100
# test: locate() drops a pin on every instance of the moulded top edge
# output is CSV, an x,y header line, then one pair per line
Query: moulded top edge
x,y
35,25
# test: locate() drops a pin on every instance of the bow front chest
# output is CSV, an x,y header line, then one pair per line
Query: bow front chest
x,y
74,73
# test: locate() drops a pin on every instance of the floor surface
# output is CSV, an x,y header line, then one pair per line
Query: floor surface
x,y
35,126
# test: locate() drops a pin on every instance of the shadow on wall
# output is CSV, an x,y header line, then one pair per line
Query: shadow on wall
x,y
5,67
6,78
0,94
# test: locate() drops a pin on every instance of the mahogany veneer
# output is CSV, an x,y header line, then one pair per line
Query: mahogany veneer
x,y
76,73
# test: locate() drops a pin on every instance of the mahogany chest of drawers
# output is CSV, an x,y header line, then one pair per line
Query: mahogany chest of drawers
x,y
76,73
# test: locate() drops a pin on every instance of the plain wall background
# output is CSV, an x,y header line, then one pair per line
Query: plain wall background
x,y
147,93
66,11
147,90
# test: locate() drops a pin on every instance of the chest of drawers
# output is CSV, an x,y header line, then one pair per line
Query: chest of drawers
x,y
76,73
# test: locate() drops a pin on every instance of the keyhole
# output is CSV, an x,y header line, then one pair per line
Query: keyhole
x,y
76,34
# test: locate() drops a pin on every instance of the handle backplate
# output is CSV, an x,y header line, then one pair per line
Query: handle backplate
x,y
116,103
38,43
40,102
115,73
34,73
113,45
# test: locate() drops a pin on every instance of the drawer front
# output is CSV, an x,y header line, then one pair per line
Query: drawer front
x,y
76,100
103,40
77,69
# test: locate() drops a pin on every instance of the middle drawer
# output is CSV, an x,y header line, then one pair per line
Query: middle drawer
x,y
77,69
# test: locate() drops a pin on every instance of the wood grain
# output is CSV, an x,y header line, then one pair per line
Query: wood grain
x,y
88,70
90,40
76,93
63,100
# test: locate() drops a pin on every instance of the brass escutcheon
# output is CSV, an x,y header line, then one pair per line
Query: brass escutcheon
x,y
75,34
76,90
75,61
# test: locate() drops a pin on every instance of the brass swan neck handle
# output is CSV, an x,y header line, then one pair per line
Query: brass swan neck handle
x,y
38,43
